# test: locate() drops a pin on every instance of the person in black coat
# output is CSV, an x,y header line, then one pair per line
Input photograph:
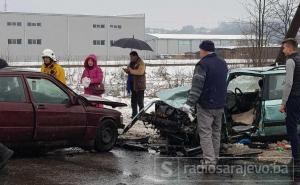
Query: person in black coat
x,y
3,63
5,153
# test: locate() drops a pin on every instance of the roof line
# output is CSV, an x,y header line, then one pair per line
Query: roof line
x,y
77,15
198,36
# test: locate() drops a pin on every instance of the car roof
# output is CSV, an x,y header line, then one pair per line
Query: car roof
x,y
261,71
14,70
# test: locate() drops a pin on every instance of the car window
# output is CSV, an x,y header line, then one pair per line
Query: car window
x,y
276,83
45,91
11,90
245,83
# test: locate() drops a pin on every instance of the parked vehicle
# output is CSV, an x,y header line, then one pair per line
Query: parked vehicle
x,y
252,111
38,110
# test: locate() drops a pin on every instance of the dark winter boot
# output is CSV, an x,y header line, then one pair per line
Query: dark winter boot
x,y
5,155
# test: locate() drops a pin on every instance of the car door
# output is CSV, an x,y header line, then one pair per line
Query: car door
x,y
56,118
273,120
16,111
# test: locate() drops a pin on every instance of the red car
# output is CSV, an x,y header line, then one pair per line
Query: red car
x,y
38,110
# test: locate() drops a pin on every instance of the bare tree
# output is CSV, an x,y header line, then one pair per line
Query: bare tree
x,y
260,15
291,33
283,13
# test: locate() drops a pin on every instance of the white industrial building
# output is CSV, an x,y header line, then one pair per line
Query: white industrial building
x,y
178,44
72,37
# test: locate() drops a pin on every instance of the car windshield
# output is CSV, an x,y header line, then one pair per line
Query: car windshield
x,y
244,83
276,84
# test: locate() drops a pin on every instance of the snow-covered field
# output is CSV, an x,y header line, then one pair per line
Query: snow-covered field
x,y
115,79
159,76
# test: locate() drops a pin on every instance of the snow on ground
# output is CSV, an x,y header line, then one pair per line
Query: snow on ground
x,y
138,130
158,78
125,62
275,156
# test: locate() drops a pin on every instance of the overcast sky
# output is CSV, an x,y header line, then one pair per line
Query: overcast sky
x,y
159,13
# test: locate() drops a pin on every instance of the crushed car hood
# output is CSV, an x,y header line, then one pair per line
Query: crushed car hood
x,y
175,97
96,99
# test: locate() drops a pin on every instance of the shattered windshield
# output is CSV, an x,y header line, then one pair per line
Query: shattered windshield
x,y
244,83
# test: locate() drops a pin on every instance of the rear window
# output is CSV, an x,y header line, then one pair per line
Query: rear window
x,y
275,90
11,90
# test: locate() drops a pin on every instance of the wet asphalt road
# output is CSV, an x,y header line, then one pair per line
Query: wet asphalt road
x,y
118,167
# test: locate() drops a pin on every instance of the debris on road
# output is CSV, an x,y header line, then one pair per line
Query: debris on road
x,y
239,150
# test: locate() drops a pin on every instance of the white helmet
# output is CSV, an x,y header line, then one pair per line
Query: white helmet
x,y
49,53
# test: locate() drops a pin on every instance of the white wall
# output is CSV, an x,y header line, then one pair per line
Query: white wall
x,y
181,46
70,36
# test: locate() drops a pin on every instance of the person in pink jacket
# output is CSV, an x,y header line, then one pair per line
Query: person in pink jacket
x,y
92,73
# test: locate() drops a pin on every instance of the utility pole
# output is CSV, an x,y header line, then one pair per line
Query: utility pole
x,y
5,6
292,33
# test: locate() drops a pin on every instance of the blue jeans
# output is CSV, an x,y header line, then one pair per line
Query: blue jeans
x,y
292,121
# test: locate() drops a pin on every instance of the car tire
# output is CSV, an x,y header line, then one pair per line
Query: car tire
x,y
107,135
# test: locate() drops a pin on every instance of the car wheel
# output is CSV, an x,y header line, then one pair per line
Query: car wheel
x,y
106,137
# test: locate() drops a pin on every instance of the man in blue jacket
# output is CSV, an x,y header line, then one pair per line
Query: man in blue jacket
x,y
5,153
208,95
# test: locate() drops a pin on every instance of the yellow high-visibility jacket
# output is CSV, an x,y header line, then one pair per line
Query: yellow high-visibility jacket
x,y
54,70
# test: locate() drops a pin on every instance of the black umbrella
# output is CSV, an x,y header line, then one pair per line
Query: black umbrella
x,y
132,43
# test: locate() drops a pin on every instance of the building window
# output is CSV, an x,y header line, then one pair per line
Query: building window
x,y
19,41
98,25
99,42
19,24
116,26
34,24
112,42
34,41
14,41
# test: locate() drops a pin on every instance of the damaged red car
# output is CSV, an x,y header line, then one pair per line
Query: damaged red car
x,y
37,110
